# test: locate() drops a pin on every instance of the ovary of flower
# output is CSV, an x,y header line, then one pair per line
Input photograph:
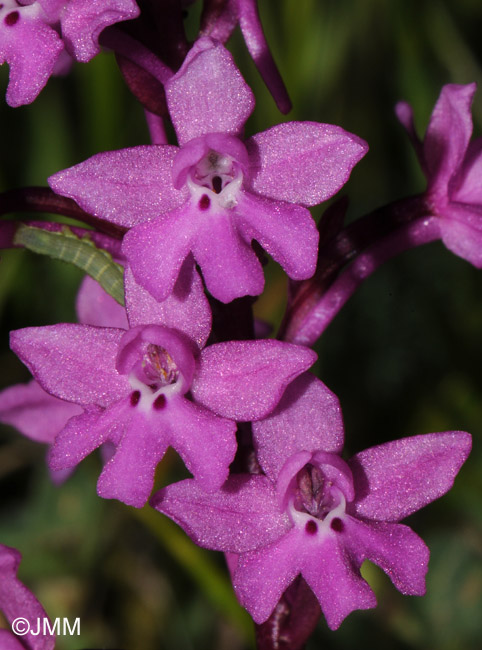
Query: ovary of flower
x,y
321,527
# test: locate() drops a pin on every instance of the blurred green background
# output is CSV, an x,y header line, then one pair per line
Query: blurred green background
x,y
404,356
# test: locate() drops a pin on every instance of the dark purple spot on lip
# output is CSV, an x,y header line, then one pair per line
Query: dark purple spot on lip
x,y
311,528
204,202
159,402
135,397
11,18
337,525
217,184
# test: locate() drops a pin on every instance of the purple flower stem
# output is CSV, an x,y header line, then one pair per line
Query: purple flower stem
x,y
146,89
155,124
367,243
43,199
327,307
252,30
130,48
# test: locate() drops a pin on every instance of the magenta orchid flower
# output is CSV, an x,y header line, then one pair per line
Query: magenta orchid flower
x,y
214,193
132,385
34,33
41,416
453,167
314,513
17,601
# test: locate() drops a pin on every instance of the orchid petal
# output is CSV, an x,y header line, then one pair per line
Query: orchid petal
x,y
186,309
96,307
208,94
302,162
18,601
448,135
287,232
126,187
398,478
205,442
156,250
244,380
470,183
82,22
307,418
229,265
340,589
73,362
241,516
35,413
31,49
395,548
129,474
84,433
461,232
262,576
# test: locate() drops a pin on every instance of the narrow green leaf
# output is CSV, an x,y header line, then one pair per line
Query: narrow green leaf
x,y
80,251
